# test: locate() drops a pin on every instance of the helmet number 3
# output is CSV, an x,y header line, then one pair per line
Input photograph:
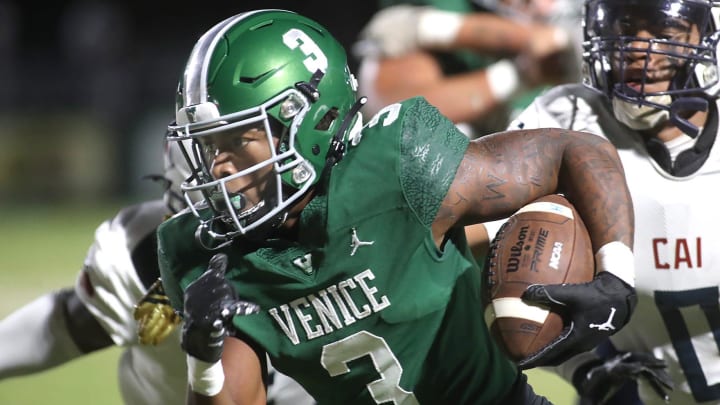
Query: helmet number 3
x,y
316,59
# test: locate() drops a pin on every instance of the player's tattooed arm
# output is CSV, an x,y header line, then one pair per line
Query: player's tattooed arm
x,y
502,172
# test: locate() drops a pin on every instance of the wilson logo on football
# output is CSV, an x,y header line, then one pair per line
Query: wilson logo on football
x,y
516,250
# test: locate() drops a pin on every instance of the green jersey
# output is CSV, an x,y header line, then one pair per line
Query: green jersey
x,y
363,308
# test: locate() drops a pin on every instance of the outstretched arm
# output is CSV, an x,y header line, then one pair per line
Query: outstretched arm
x,y
47,332
398,30
397,50
502,172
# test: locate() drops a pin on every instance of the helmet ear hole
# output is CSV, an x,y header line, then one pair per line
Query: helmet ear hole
x,y
277,128
279,131
327,120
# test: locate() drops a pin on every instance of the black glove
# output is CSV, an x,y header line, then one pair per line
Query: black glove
x,y
210,305
598,380
591,312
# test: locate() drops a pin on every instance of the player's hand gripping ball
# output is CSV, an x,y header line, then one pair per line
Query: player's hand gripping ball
x,y
544,242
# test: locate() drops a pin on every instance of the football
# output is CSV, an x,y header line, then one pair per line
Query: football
x,y
545,242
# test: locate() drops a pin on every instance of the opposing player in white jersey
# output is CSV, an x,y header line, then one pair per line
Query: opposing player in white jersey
x,y
100,311
651,88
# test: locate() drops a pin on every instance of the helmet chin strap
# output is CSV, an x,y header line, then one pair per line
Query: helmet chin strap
x,y
337,148
337,145
208,238
310,89
687,104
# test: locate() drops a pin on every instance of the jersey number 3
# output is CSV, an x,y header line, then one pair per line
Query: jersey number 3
x,y
336,355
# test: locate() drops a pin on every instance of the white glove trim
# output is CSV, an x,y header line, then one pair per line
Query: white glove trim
x,y
617,258
205,378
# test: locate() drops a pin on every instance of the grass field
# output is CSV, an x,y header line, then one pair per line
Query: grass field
x,y
41,249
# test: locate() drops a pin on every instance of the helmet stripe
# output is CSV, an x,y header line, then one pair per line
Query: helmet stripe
x,y
195,76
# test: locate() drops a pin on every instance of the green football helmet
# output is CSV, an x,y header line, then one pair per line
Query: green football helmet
x,y
282,73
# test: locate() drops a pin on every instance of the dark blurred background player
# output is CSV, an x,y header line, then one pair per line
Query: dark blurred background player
x,y
85,82
476,62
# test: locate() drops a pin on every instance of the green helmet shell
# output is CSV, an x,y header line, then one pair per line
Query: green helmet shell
x,y
273,67
258,55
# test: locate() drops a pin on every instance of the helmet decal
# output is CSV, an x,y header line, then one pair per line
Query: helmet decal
x,y
316,60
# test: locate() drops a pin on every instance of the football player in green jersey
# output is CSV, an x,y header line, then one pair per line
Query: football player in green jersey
x,y
337,248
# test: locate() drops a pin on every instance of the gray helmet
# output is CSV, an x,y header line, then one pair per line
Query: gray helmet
x,y
611,41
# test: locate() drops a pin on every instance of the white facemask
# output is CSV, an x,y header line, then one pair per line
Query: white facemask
x,y
641,117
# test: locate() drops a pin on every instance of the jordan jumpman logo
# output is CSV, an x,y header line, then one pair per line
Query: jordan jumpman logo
x,y
355,242
607,325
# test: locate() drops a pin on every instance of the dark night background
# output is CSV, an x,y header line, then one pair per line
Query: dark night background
x,y
87,87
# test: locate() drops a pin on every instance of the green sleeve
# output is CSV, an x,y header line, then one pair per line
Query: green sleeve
x,y
169,279
431,151
180,258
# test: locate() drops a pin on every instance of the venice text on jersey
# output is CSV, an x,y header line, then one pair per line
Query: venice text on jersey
x,y
331,308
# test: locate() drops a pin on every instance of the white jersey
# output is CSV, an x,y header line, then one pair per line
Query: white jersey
x,y
110,285
677,262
